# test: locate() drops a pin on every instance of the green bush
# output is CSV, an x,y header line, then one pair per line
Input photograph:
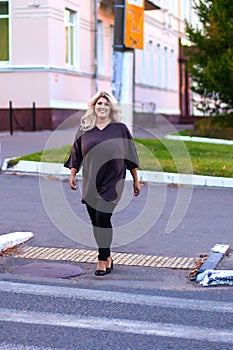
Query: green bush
x,y
217,127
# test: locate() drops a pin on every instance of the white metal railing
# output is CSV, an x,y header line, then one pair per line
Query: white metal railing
x,y
144,107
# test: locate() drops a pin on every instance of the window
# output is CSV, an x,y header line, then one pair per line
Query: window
x,y
100,46
159,66
147,63
4,31
151,64
166,67
173,71
171,11
111,48
184,9
70,25
143,65
171,6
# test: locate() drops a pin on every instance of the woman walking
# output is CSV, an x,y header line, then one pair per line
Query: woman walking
x,y
105,149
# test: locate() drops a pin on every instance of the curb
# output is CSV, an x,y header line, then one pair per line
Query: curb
x,y
217,253
203,275
10,240
198,139
55,169
26,166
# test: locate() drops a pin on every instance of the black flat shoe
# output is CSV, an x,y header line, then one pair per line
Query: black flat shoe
x,y
100,272
109,269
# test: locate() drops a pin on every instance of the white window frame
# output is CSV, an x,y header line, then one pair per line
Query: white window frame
x,y
8,16
72,59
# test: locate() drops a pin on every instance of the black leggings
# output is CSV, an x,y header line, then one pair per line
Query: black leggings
x,y
102,229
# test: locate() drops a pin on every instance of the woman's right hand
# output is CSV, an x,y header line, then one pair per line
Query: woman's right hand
x,y
73,180
73,183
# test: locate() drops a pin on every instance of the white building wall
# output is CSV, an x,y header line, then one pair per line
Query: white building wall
x,y
158,81
163,28
37,70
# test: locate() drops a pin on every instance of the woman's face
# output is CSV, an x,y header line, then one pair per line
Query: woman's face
x,y
102,109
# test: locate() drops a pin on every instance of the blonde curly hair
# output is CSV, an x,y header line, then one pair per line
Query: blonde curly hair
x,y
89,119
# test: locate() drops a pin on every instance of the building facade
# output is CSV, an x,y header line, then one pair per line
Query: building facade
x,y
55,54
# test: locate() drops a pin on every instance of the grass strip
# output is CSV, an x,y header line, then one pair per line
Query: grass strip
x,y
163,155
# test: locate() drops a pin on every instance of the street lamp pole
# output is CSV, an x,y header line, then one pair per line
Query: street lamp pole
x,y
122,84
118,48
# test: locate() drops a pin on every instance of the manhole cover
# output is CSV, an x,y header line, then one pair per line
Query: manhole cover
x,y
43,269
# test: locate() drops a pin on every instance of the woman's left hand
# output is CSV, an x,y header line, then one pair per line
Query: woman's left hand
x,y
137,188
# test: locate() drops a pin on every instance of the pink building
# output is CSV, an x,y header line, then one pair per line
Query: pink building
x,y
57,53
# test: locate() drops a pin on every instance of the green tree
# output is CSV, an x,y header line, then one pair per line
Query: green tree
x,y
210,59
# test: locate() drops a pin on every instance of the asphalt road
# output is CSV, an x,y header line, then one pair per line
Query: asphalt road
x,y
203,217
133,307
44,316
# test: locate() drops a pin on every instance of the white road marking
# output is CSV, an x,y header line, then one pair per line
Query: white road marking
x,y
9,346
117,297
117,325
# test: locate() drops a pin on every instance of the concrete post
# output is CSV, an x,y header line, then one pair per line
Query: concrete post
x,y
122,84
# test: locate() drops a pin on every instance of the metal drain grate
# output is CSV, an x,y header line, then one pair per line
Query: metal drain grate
x,y
90,256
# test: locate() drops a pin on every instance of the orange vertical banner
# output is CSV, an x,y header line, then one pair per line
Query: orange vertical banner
x,y
134,23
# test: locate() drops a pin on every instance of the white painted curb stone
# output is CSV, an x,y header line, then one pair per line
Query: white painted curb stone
x,y
198,139
55,169
10,240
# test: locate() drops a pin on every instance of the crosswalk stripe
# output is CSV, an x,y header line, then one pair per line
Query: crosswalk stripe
x,y
121,297
117,325
10,346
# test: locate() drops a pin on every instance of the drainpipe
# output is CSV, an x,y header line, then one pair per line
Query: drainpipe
x,y
95,46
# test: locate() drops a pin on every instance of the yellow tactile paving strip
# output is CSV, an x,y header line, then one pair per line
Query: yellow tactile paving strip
x,y
89,256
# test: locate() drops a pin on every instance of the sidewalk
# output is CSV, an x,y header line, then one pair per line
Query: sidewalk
x,y
21,143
